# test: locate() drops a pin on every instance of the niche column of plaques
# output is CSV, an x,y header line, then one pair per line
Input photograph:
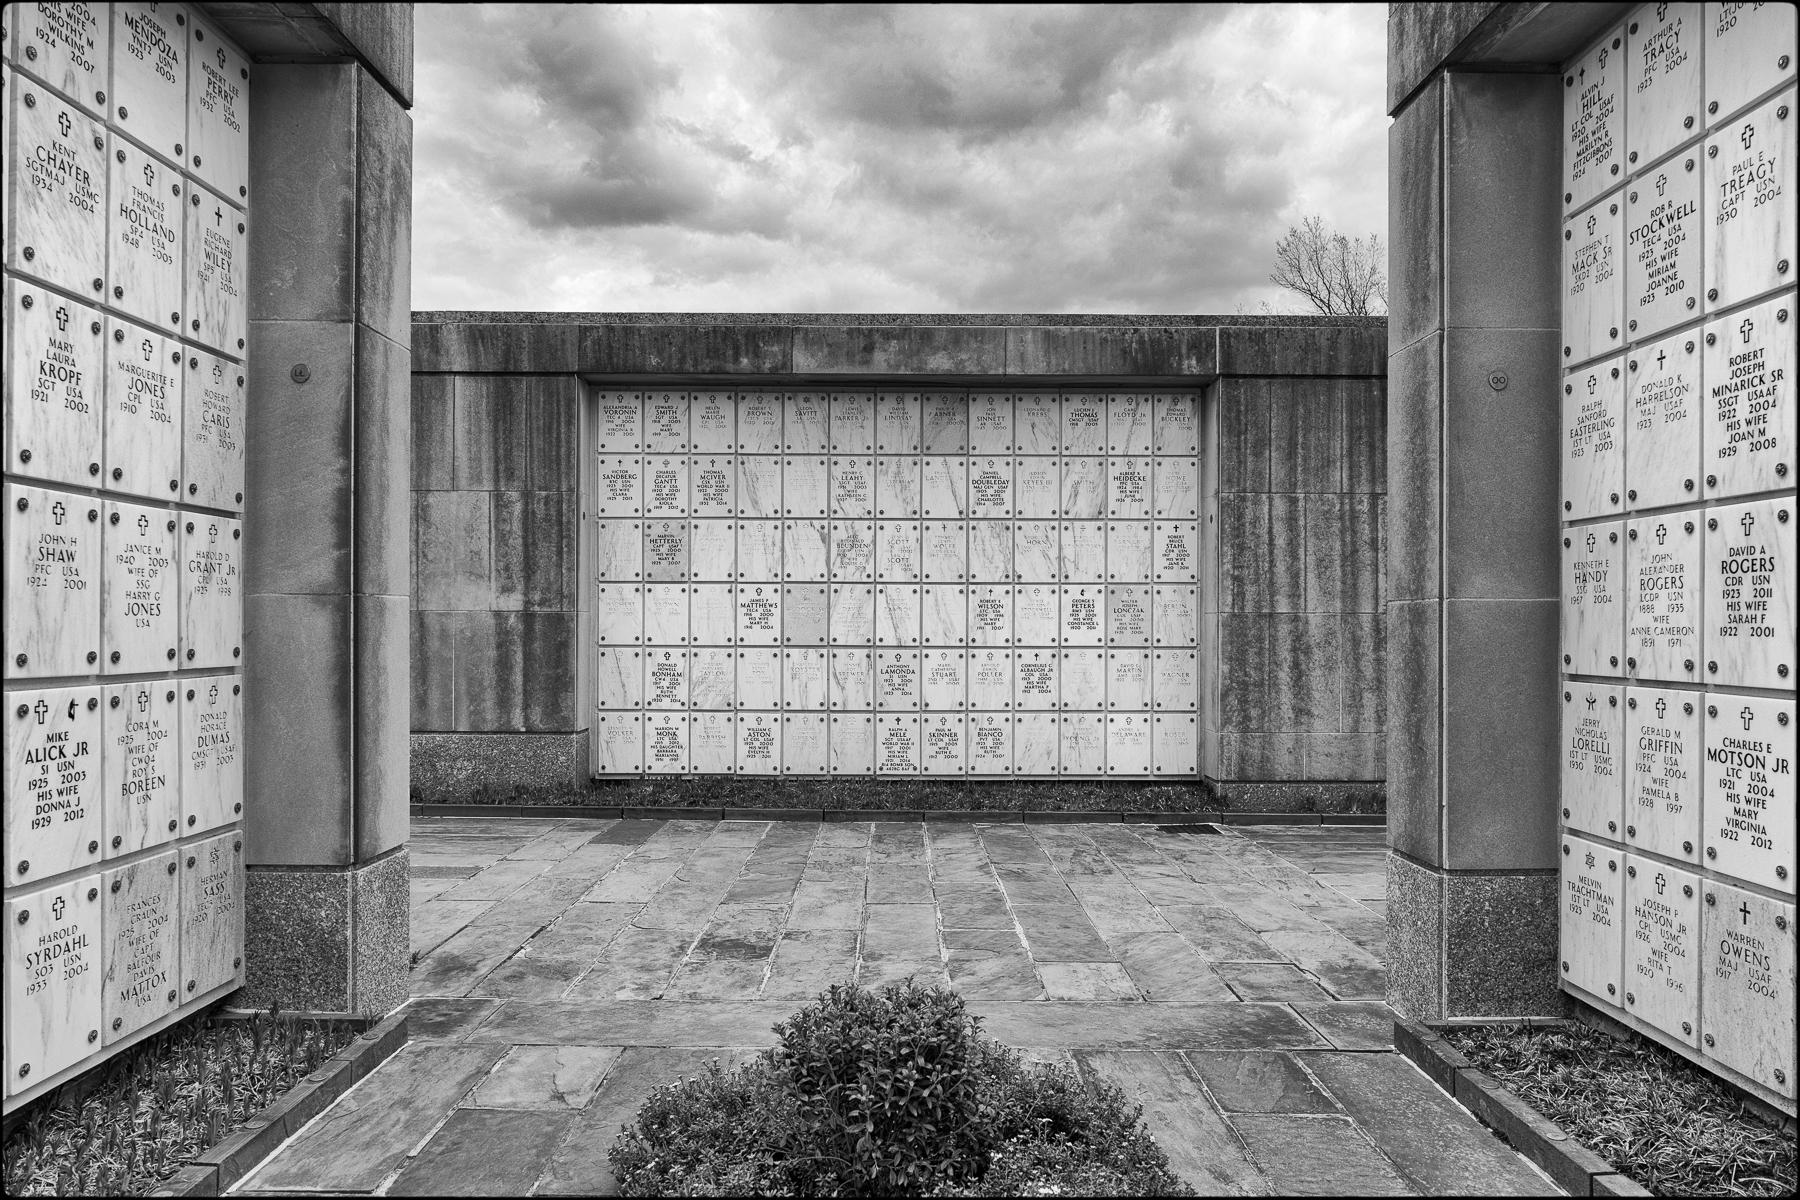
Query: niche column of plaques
x,y
125,254
1679,511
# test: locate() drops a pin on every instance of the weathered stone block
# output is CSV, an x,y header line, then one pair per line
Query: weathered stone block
x,y
451,767
1243,434
900,349
1415,470
1420,37
383,508
1347,346
1500,944
433,669
1415,942
382,36
433,431
303,191
1365,672
1414,719
535,551
383,723
1306,436
711,349
297,455
442,343
550,646
452,535
384,191
1416,216
1113,350
1365,435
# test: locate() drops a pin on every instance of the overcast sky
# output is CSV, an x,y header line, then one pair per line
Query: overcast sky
x,y
689,158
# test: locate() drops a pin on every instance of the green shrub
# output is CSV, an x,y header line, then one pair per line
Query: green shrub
x,y
879,1093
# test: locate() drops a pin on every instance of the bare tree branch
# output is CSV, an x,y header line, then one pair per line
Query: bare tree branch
x,y
1337,275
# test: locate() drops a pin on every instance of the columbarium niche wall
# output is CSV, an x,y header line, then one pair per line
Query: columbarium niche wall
x,y
1678,516
126,234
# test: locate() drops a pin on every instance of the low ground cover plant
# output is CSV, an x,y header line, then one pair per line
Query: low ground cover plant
x,y
1655,1116
883,1093
162,1103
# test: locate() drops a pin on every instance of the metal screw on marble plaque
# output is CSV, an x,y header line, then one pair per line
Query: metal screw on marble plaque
x,y
1749,181
1749,566
1747,1009
1748,409
1744,56
53,977
56,218
1592,900
1748,787
53,385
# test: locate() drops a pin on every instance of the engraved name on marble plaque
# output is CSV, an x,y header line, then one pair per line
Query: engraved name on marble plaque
x,y
1662,937
1037,488
852,423
853,488
619,420
712,743
1662,247
1037,423
53,949
1037,617
1128,423
897,744
1750,203
1748,823
990,615
1035,680
1592,896
852,615
851,679
618,743
942,751
212,610
55,352
1177,425
665,485
990,744
852,743
140,766
1750,594
1083,423
1128,744
1594,120
619,487
666,679
145,378
1663,410
1176,616
149,70
945,421
897,679
1593,299
212,752
1084,616
666,550
896,486
1128,487
990,487
1747,983
714,481
1593,470
666,614
55,191
1593,791
712,422
212,913
1593,626
1662,780
54,811
712,678
666,422
944,487
803,681
1662,79
216,310
1175,680
943,679
759,743
140,963
759,423
1176,486
1083,488
70,48
852,550
212,431
618,614
897,551
1128,680
665,743
1749,399
1175,747
1749,49
1174,553
990,424
990,679
219,112
1083,744
138,626
1662,602
52,582
144,227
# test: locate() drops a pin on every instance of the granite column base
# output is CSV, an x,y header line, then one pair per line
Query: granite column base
x,y
328,939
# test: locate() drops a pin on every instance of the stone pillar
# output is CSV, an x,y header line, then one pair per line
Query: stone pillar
x,y
329,453
1472,567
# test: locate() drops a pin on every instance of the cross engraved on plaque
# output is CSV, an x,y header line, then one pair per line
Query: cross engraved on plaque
x,y
216,310
1749,583
1750,241
55,352
1748,785
1662,960
1747,1000
53,972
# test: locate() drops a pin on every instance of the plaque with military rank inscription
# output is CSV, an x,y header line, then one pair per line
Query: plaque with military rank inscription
x,y
1750,203
1593,470
1592,897
144,227
219,112
1662,79
212,610
68,46
52,583
1594,121
1749,787
1747,990
141,766
1593,624
138,627
144,380
55,351
1593,297
1749,399
54,820
212,913
1750,594
217,256
53,986
1662,782
139,915
212,752
1593,791
1662,463
1662,601
150,67
1662,247
1662,963
55,191
212,432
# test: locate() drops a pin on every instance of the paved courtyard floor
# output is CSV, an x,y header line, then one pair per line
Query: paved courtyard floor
x,y
1229,980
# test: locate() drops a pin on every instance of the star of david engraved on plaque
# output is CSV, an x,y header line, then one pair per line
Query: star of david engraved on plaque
x,y
1083,552
212,913
216,310
618,743
897,743
1662,239
713,550
852,614
1748,405
944,418
212,431
67,46
666,614
852,743
1128,680
149,75
1035,680
54,811
1037,744
1747,961
1083,679
712,678
218,111
1662,79
1037,487
990,487
212,752
53,978
1749,557
140,767
666,423
759,486
138,627
852,679
759,743
943,751
852,422
759,614
618,614
803,684
1747,777
804,743
55,191
1083,744
665,743
896,487
665,678
853,551
144,217
990,424
944,487
712,614
990,679
140,957
990,615
665,486
852,488
943,680
1593,625
1662,947
897,551
1750,241
142,413
897,680
805,614
618,423
1662,600
944,547
212,608
896,423
1128,743
1593,786
1084,615
1175,680
1037,615
1128,487
55,353
897,614
1745,46
52,582
712,422
619,487
1663,402
1593,465
1593,282
712,743
619,678
1594,120
807,548
1662,789
1592,942
1175,745
990,743
805,486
